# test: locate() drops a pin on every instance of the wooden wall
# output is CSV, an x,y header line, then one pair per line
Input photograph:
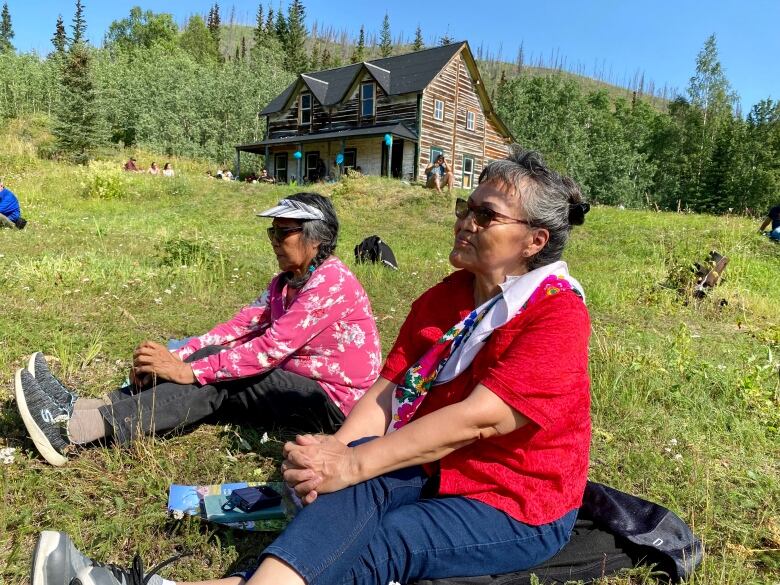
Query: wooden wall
x,y
455,87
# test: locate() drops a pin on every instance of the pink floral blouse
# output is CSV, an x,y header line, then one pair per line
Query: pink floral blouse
x,y
327,333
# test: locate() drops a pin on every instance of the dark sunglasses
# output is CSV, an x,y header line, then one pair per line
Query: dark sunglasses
x,y
277,234
483,216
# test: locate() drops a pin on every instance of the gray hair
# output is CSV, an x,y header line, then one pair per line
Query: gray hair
x,y
324,232
548,200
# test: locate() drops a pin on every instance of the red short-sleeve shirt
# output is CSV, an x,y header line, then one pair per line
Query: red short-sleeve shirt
x,y
538,364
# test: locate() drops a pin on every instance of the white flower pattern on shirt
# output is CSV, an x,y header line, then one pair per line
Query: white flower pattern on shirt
x,y
327,334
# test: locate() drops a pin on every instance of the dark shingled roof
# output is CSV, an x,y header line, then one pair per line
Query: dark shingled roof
x,y
409,73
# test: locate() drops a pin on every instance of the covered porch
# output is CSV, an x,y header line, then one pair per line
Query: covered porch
x,y
328,155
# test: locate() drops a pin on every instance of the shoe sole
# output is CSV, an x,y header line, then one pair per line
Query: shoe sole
x,y
48,542
49,453
31,364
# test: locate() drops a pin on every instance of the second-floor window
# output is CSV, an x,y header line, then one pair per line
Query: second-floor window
x,y
470,120
305,109
438,110
367,101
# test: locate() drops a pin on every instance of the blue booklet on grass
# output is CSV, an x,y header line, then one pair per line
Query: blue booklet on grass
x,y
205,502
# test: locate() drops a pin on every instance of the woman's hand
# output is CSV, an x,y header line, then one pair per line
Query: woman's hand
x,y
318,464
153,359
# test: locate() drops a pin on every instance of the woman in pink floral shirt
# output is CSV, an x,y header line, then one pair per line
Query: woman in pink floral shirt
x,y
300,356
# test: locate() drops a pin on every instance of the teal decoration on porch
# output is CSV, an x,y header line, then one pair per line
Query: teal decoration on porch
x,y
340,158
297,154
389,139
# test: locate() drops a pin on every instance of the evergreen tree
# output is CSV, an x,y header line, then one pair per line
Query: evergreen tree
x,y
385,40
446,39
78,125
270,27
60,38
259,32
314,61
6,30
243,47
359,52
418,44
214,23
79,26
327,59
295,39
280,27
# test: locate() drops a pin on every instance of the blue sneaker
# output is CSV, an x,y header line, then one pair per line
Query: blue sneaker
x,y
46,422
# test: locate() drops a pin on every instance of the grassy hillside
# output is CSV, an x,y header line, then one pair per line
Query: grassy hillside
x,y
685,393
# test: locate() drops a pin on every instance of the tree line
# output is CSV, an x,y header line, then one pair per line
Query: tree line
x,y
197,90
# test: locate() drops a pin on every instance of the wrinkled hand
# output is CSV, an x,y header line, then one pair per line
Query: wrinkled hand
x,y
318,464
151,359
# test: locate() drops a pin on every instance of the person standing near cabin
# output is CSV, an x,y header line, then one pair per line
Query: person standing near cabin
x,y
10,209
773,217
438,173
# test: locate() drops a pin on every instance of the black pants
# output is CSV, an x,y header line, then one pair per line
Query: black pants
x,y
271,400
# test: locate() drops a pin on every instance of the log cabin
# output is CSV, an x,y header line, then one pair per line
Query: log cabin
x,y
388,117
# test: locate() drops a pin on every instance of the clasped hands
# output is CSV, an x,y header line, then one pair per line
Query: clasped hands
x,y
318,464
152,360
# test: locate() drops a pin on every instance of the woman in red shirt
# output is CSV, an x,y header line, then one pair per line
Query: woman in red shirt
x,y
481,409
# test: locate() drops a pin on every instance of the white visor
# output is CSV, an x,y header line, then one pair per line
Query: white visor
x,y
292,209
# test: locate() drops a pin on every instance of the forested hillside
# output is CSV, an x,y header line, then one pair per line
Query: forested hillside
x,y
196,90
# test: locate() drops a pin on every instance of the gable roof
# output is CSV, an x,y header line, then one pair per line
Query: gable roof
x,y
396,75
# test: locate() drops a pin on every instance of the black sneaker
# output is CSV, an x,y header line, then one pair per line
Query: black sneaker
x,y
100,574
55,560
61,394
20,223
45,421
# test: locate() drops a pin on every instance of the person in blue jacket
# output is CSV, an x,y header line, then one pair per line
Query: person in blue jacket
x,y
9,208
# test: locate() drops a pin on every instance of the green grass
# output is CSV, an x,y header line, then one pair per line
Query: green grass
x,y
685,394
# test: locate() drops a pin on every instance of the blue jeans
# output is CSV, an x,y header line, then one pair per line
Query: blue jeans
x,y
386,529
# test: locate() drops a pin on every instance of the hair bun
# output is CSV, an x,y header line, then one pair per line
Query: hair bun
x,y
577,213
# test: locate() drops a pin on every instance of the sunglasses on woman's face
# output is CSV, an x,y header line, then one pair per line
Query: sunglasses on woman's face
x,y
483,216
277,234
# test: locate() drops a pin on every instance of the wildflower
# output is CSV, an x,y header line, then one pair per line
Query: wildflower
x,y
265,438
672,442
158,301
7,455
678,457
178,514
167,291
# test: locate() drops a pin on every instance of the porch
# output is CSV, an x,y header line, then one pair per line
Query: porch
x,y
362,149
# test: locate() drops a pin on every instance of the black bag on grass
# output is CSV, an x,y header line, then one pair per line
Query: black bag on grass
x,y
613,531
373,249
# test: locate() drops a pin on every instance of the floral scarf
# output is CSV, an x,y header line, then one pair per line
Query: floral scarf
x,y
419,379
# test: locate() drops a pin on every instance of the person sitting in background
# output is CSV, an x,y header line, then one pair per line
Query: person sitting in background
x,y
265,177
154,169
131,166
772,217
10,210
168,170
298,357
209,175
438,173
227,175
469,455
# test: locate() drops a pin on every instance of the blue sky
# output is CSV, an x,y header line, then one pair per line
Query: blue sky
x,y
621,37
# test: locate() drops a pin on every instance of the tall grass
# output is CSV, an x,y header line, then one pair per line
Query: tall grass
x,y
685,393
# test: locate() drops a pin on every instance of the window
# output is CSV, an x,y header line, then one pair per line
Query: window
x,y
280,167
468,171
313,171
367,100
305,109
470,120
350,159
438,110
